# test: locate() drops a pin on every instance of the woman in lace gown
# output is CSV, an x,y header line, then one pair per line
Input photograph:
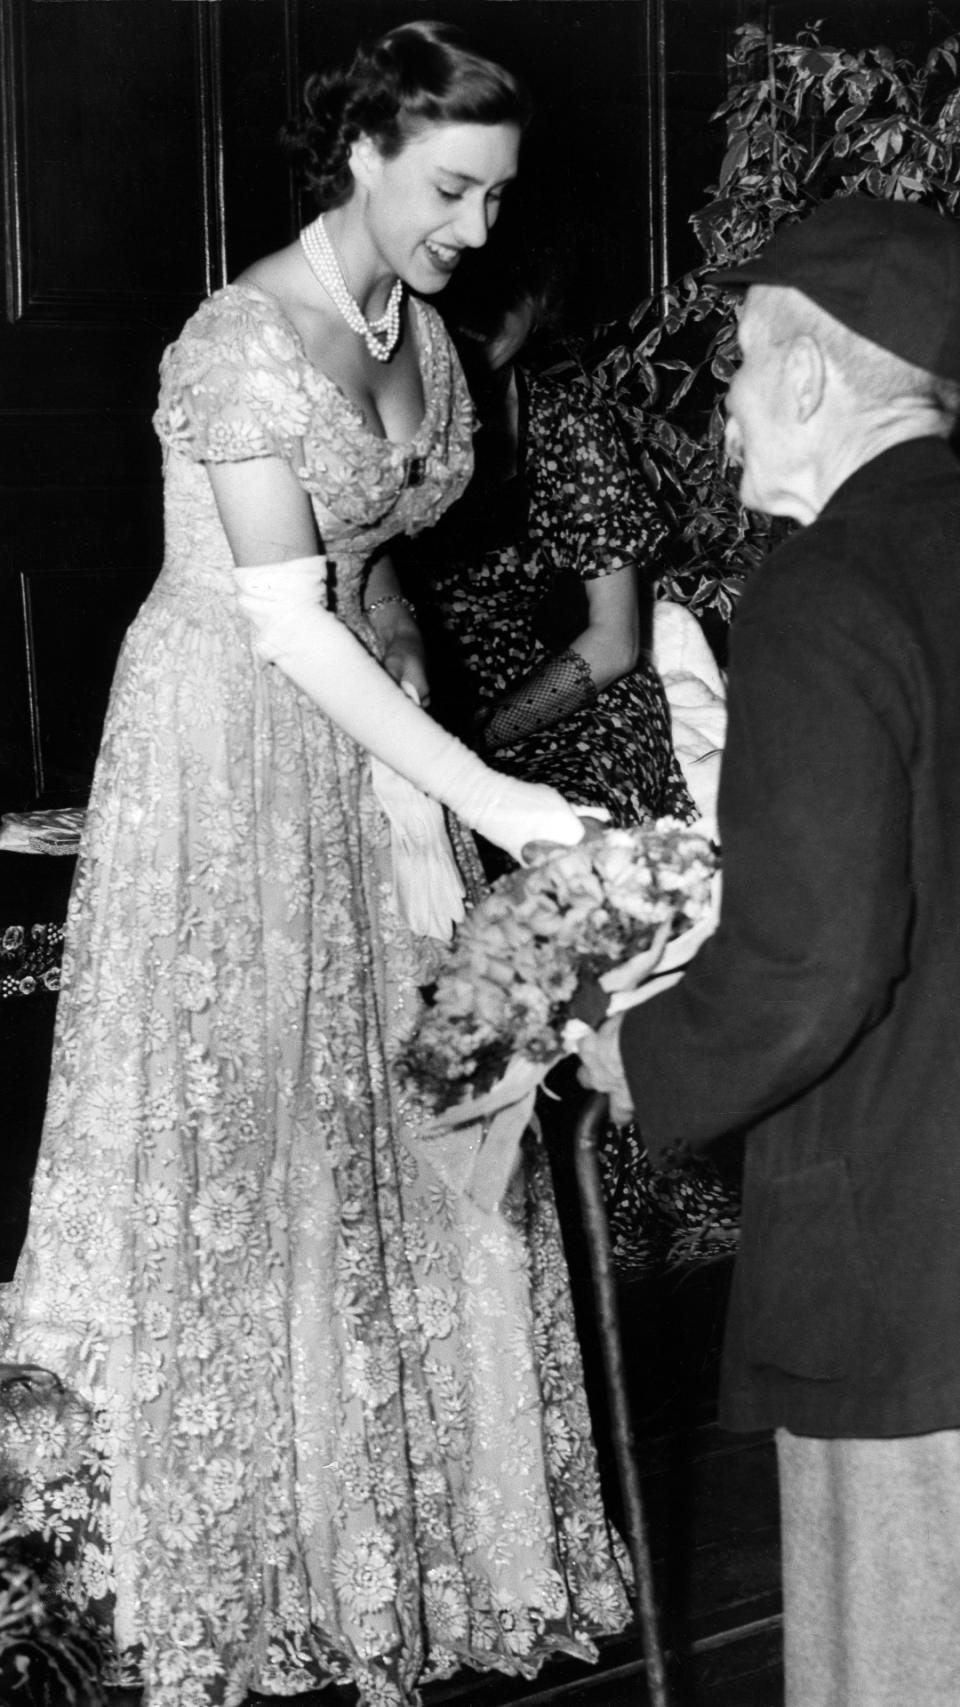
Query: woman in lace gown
x,y
320,1417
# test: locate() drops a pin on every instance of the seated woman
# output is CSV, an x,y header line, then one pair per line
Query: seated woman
x,y
534,598
528,592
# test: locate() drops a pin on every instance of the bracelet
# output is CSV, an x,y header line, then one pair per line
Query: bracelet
x,y
391,599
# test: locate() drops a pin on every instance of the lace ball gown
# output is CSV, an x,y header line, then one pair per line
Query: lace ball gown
x,y
324,1417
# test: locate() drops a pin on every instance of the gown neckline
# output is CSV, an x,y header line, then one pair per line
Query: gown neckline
x,y
423,354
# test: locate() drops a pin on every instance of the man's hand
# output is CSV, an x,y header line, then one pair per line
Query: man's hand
x,y
602,1068
630,974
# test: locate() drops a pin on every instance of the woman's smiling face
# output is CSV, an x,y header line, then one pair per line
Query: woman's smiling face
x,y
439,196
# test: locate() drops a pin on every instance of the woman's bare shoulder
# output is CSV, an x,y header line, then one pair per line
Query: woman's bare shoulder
x,y
275,273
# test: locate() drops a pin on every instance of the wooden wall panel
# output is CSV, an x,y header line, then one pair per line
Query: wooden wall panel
x,y
108,194
73,617
113,226
696,39
261,80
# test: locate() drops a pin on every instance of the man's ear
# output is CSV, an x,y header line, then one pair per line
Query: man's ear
x,y
806,375
365,161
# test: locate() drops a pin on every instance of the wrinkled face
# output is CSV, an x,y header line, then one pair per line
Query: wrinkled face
x,y
439,196
758,431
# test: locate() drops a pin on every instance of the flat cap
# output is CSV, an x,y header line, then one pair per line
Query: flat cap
x,y
888,270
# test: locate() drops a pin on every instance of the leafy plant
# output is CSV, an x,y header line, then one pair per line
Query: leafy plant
x,y
48,1656
804,121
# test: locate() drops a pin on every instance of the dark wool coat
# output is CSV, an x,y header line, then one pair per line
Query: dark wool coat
x,y
824,1015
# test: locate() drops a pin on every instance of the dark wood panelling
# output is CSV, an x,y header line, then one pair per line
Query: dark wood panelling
x,y
261,80
113,230
16,745
697,38
95,447
115,200
75,622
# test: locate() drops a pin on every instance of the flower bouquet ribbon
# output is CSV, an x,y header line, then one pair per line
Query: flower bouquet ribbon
x,y
624,909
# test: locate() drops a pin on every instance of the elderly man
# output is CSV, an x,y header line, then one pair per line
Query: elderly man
x,y
824,1014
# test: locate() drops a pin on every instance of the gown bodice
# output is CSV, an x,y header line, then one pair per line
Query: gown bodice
x,y
238,384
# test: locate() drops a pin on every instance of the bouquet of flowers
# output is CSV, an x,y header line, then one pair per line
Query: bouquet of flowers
x,y
519,958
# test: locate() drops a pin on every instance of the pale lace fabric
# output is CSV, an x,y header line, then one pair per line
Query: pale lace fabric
x,y
340,1421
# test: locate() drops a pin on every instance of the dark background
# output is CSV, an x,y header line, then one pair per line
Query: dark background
x,y
141,171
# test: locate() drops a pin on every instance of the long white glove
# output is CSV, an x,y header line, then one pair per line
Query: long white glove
x,y
294,630
427,887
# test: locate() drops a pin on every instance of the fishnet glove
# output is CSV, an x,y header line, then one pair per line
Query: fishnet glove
x,y
556,688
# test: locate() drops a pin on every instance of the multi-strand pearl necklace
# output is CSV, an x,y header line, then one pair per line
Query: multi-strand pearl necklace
x,y
380,336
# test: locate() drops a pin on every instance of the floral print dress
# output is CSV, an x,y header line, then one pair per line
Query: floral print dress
x,y
499,586
315,1414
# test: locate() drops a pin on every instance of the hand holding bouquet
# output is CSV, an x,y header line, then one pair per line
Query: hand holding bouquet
x,y
542,933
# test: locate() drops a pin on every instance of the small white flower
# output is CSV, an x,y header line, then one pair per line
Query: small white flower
x,y
196,983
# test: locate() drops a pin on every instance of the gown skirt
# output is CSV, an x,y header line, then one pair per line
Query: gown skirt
x,y
310,1413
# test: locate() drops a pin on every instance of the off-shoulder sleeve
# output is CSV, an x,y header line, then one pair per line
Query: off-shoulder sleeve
x,y
591,509
233,385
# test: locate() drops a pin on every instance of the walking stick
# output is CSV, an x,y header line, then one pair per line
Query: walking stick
x,y
608,1317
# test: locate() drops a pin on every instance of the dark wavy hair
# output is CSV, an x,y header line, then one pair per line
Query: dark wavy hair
x,y
421,73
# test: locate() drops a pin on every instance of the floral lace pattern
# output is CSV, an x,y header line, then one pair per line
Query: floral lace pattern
x,y
30,959
325,1417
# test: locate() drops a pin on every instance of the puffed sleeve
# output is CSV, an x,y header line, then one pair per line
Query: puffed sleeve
x,y
233,387
589,507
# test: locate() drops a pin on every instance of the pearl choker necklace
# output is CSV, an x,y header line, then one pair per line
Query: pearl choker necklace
x,y
380,336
